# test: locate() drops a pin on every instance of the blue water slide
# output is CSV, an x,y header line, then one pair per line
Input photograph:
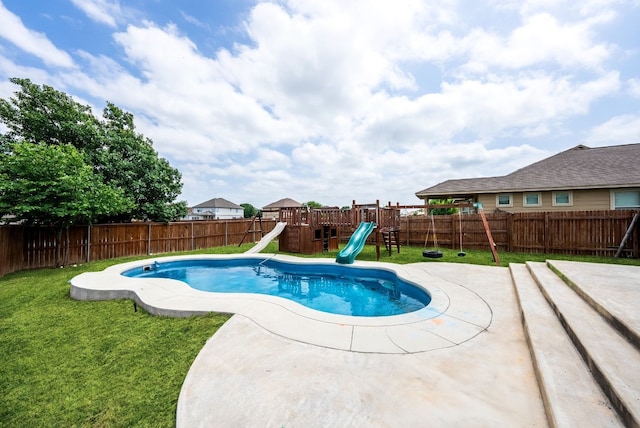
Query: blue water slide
x,y
348,254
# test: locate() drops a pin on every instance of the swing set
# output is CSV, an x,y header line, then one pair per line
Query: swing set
x,y
436,253
432,254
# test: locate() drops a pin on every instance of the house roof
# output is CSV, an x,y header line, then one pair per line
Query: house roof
x,y
580,167
218,203
282,203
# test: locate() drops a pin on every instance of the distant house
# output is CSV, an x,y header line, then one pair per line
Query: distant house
x,y
215,209
581,178
271,210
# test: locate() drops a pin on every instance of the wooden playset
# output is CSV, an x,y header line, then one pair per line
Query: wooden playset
x,y
316,230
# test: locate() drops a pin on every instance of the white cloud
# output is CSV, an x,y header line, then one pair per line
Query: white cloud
x,y
485,108
37,44
583,8
103,11
634,87
11,69
195,21
624,129
182,99
541,39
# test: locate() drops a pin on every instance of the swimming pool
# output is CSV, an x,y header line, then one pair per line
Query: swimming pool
x,y
331,288
454,315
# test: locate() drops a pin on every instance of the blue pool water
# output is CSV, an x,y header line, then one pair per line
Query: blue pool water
x,y
336,289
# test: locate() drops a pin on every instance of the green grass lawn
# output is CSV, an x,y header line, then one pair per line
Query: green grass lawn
x,y
66,363
101,364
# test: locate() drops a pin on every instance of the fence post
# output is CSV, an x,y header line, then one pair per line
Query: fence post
x,y
226,233
192,242
545,233
509,231
636,246
452,226
407,230
148,239
88,243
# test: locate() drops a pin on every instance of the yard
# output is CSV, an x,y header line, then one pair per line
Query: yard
x,y
78,363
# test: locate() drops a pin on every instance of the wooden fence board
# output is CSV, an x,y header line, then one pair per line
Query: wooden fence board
x,y
11,249
23,247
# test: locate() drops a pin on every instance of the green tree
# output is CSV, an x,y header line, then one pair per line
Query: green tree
x,y
121,157
249,210
313,204
43,115
52,185
128,160
442,211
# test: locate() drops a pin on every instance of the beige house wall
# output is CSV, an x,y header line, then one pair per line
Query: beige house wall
x,y
583,200
271,215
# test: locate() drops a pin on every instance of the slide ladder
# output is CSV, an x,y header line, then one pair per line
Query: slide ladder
x,y
348,254
252,227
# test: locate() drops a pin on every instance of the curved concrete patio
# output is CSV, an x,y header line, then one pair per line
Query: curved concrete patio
x,y
462,362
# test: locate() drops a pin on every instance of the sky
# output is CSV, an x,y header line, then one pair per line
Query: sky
x,y
333,101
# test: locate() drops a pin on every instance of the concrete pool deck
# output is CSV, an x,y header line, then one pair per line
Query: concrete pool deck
x,y
465,362
455,314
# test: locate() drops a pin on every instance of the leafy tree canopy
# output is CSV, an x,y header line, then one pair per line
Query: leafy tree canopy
x,y
52,185
313,204
442,211
249,210
120,157
128,161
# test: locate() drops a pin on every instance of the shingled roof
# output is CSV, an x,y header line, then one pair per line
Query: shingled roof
x,y
218,203
581,167
282,203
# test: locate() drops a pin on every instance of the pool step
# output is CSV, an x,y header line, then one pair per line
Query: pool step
x,y
614,361
570,394
615,297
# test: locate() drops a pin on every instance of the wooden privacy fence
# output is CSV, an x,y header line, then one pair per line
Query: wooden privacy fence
x,y
23,247
573,232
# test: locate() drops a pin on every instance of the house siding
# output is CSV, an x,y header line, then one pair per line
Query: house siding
x,y
215,214
583,200
216,209
599,199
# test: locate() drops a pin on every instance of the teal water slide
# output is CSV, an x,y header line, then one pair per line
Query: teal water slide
x,y
348,254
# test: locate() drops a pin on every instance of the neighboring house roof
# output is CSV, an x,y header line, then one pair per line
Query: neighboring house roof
x,y
581,167
218,203
282,203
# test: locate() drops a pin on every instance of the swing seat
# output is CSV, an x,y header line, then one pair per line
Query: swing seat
x,y
432,254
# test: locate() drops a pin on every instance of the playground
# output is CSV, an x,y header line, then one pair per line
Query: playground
x,y
316,230
305,230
